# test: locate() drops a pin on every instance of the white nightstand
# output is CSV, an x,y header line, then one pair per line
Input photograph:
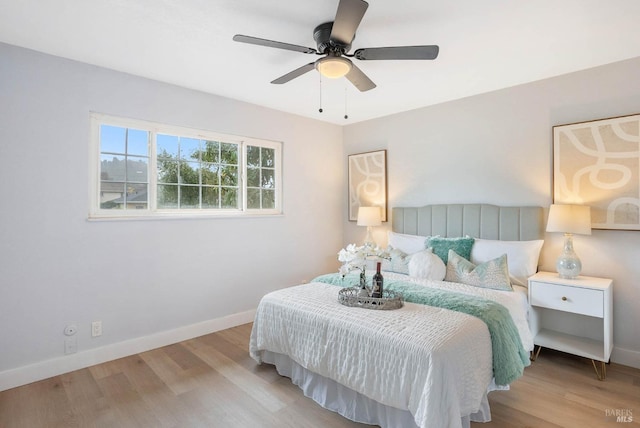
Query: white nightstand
x,y
573,315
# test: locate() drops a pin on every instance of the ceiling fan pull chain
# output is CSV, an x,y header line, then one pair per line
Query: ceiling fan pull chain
x,y
346,116
320,86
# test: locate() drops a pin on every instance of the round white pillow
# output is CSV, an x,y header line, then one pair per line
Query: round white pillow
x,y
427,265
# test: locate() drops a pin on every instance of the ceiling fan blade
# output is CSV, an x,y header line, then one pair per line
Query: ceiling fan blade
x,y
295,73
273,44
347,20
359,79
398,52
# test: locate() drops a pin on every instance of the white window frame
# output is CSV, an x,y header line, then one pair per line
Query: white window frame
x,y
96,212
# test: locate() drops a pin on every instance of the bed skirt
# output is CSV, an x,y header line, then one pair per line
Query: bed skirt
x,y
352,405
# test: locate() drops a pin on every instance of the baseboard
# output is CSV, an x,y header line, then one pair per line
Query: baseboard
x,y
68,363
626,357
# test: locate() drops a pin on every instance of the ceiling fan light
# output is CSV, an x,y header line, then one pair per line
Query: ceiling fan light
x,y
333,66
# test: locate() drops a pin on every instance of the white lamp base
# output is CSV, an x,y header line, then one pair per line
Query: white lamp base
x,y
568,264
368,240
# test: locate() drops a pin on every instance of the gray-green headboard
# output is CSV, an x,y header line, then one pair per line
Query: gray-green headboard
x,y
477,220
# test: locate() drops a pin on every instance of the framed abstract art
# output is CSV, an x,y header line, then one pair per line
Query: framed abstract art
x,y
368,182
597,163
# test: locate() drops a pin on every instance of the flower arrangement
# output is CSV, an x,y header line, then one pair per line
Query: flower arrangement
x,y
355,258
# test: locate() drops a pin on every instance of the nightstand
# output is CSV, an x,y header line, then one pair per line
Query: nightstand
x,y
573,316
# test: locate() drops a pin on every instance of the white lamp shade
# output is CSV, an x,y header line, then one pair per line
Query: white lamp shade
x,y
569,219
369,216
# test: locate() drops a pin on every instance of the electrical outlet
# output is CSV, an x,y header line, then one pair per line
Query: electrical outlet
x,y
70,330
70,345
96,328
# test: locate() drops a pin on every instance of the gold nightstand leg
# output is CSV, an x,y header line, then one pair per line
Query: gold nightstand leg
x,y
534,353
602,375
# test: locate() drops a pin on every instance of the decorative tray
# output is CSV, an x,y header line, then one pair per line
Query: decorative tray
x,y
351,297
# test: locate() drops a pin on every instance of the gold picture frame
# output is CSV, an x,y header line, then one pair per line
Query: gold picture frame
x,y
597,163
367,182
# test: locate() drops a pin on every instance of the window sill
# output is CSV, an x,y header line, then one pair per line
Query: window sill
x,y
182,216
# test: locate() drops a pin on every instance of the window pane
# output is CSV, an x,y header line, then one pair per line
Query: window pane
x,y
253,177
137,142
167,196
253,156
111,195
210,197
210,174
189,197
167,146
112,168
268,157
112,139
189,148
268,199
268,180
229,175
253,199
167,171
229,197
210,152
136,197
189,173
137,169
229,153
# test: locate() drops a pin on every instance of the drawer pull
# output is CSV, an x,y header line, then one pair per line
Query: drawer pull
x,y
564,299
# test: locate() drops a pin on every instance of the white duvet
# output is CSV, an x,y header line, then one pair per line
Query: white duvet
x,y
433,362
515,301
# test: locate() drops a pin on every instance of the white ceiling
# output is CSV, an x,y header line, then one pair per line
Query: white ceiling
x,y
484,45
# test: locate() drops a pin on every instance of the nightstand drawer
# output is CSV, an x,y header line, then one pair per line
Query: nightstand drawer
x,y
568,299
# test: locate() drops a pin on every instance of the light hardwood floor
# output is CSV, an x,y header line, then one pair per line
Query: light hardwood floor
x,y
211,381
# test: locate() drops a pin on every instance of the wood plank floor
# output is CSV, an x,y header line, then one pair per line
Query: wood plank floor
x,y
211,381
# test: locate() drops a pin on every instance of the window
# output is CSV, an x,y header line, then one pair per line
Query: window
x,y
149,169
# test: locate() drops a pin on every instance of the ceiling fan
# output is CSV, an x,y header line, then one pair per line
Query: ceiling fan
x,y
334,40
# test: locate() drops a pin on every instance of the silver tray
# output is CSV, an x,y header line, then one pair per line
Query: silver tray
x,y
351,297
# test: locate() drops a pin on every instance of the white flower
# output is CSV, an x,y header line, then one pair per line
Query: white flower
x,y
344,269
345,256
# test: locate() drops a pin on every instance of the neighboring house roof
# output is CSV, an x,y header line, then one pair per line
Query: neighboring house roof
x,y
140,197
111,187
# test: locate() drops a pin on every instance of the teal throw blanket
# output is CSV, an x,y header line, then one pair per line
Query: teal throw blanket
x,y
509,356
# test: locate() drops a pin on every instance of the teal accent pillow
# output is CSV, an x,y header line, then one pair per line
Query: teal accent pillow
x,y
441,246
492,274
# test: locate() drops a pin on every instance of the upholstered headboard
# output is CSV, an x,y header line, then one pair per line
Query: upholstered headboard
x,y
477,220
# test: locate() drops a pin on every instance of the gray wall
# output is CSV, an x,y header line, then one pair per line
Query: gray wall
x,y
139,277
497,148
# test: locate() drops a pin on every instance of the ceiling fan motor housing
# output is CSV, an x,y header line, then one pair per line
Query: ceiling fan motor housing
x,y
322,36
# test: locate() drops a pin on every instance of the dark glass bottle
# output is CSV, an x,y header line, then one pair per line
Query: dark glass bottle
x,y
376,290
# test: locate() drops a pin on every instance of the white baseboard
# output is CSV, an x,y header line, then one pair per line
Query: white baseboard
x,y
68,363
626,357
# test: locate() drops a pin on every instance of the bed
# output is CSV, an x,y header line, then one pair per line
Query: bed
x,y
424,365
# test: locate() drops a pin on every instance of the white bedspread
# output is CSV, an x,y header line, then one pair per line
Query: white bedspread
x,y
515,301
434,362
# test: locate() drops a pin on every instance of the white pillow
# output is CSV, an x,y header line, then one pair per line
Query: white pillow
x,y
398,261
408,244
427,265
522,256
